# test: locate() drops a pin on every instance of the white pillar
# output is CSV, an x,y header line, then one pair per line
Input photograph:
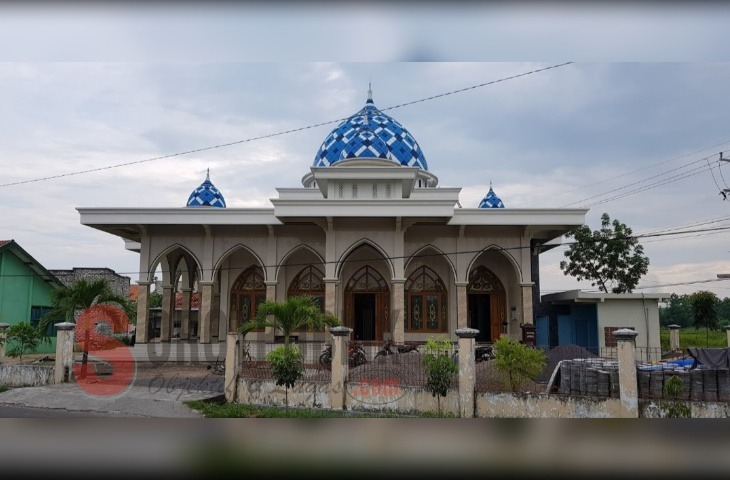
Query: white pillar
x,y
3,338
168,307
185,315
340,366
233,365
204,314
467,371
674,337
462,320
397,313
628,387
63,368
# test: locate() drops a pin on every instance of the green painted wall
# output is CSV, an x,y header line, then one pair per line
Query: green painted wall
x,y
21,289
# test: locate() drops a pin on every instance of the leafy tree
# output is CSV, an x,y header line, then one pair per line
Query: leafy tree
x,y
287,365
290,315
610,258
440,368
155,300
677,311
703,311
24,339
517,362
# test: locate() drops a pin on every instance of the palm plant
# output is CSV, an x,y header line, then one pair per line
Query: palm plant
x,y
291,315
83,300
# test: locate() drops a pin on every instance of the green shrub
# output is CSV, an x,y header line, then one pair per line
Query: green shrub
x,y
287,365
440,368
674,408
517,362
23,338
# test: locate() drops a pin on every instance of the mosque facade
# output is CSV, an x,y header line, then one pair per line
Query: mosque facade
x,y
369,234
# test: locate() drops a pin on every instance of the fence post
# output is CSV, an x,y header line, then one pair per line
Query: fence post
x,y
628,387
674,337
340,366
727,332
467,371
232,365
63,368
3,338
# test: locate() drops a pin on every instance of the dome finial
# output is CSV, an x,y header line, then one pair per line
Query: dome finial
x,y
370,92
207,174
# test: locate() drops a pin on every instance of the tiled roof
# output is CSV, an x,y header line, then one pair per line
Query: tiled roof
x,y
370,133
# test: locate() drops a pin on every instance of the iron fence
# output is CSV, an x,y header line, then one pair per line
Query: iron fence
x,y
255,366
387,363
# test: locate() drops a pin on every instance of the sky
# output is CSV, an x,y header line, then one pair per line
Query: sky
x,y
92,97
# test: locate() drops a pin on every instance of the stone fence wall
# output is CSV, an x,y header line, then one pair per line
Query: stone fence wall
x,y
26,375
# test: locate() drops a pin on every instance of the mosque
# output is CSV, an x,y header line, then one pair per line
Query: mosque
x,y
369,234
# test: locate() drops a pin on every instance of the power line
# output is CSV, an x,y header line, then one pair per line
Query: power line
x,y
270,135
601,182
441,254
664,181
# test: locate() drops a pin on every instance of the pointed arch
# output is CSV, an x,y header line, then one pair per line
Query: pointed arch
x,y
361,243
500,250
432,247
169,268
231,251
426,302
282,262
308,282
483,280
246,294
368,282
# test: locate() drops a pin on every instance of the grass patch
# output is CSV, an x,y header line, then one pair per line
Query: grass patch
x,y
689,337
215,409
3,388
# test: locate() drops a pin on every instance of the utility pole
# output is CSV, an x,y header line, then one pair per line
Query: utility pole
x,y
725,191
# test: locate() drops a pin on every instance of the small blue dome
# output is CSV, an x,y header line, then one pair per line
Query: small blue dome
x,y
491,200
206,195
370,134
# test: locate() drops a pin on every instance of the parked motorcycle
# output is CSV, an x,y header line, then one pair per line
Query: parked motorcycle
x,y
356,355
481,354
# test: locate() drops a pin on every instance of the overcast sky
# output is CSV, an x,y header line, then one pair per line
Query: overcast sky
x,y
633,127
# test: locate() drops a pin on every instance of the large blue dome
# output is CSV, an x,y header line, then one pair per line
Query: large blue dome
x,y
206,195
370,134
491,200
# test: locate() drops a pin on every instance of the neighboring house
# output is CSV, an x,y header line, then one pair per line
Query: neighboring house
x,y
369,234
119,284
26,288
192,310
589,320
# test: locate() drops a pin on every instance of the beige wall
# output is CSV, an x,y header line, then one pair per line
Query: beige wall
x,y
643,316
231,249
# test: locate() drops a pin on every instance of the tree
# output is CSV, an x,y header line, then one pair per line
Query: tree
x,y
677,311
292,314
440,368
24,339
287,365
610,258
703,311
517,362
82,299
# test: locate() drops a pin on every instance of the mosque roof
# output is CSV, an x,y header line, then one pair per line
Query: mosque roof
x,y
370,133
206,195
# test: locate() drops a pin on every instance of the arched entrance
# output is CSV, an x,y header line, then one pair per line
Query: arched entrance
x,y
367,304
486,299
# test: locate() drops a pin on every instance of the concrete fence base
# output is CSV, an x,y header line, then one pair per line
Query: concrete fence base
x,y
26,375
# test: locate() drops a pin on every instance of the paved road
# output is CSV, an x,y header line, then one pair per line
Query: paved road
x,y
135,401
7,411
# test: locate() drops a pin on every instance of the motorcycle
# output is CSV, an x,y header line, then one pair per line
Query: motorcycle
x,y
481,354
356,355
388,349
